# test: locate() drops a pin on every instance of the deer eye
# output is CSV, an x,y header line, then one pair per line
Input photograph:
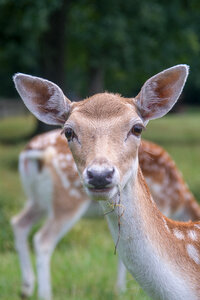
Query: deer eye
x,y
69,133
137,129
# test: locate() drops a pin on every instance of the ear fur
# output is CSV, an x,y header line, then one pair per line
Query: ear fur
x,y
43,98
159,93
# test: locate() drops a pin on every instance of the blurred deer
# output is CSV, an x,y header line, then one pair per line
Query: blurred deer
x,y
103,133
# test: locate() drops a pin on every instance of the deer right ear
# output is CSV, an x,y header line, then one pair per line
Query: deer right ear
x,y
160,92
43,98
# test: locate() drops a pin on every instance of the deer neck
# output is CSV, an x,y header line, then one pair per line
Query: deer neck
x,y
142,241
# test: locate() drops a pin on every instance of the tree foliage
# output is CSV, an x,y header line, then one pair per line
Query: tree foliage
x,y
114,45
22,23
131,40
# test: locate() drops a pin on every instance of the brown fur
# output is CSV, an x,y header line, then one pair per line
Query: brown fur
x,y
96,106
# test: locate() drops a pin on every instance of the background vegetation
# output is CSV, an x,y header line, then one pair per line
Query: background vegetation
x,y
84,265
87,46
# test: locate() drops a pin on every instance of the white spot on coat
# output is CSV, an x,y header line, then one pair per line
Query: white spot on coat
x,y
68,157
192,234
75,167
74,193
193,253
178,234
165,223
62,175
63,164
197,226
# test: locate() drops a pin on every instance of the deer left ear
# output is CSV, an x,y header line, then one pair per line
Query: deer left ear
x,y
43,98
159,93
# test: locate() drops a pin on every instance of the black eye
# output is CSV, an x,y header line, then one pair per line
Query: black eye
x,y
69,133
137,129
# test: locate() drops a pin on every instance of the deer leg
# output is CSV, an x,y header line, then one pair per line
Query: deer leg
x,y
121,277
22,224
45,242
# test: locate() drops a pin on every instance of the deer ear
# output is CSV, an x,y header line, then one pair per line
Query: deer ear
x,y
160,92
43,98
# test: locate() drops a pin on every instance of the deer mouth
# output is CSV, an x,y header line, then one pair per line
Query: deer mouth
x,y
100,190
104,193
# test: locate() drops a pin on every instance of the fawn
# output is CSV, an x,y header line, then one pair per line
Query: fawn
x,y
103,133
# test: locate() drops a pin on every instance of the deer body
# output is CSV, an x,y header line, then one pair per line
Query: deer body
x,y
103,133
166,184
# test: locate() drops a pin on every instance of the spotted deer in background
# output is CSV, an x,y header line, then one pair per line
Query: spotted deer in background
x,y
103,133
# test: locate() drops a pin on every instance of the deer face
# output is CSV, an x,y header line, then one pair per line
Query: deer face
x,y
103,131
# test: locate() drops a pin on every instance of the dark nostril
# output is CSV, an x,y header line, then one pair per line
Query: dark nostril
x,y
90,174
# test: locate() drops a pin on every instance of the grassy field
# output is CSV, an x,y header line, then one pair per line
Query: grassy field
x,y
83,265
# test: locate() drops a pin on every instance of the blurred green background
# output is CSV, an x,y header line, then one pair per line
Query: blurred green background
x,y
86,47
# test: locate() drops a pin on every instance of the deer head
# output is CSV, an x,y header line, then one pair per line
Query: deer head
x,y
104,130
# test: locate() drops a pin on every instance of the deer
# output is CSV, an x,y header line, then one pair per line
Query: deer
x,y
49,152
104,136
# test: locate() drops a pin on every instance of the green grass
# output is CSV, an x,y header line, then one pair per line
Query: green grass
x,y
83,265
175,129
78,272
14,128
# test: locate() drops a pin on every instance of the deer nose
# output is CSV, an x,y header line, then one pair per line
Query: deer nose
x,y
100,178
